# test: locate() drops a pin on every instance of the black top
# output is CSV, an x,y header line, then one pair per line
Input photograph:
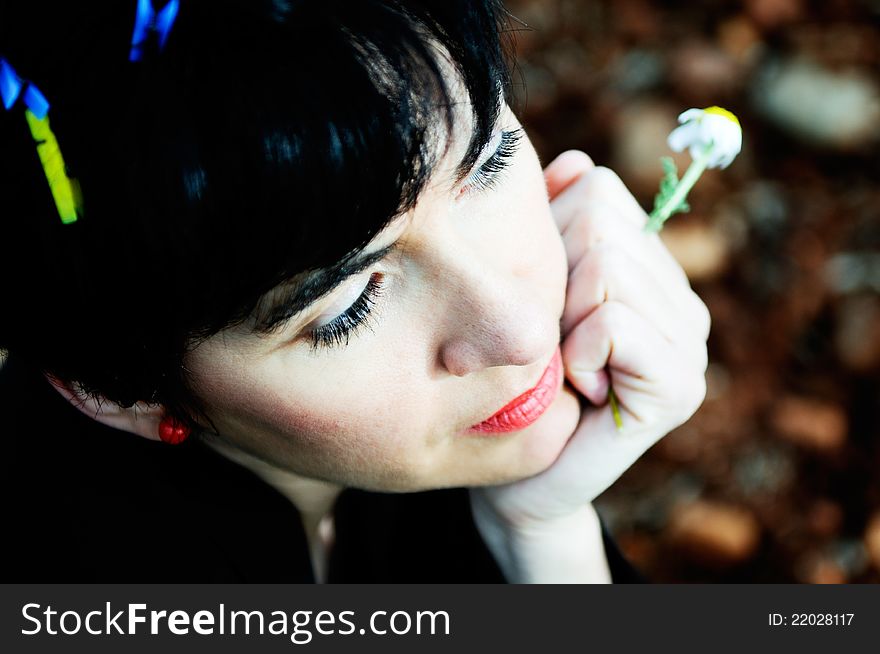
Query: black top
x,y
86,503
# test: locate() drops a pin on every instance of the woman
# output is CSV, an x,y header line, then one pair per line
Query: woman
x,y
312,242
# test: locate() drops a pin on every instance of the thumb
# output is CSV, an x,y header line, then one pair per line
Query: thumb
x,y
565,169
592,384
585,354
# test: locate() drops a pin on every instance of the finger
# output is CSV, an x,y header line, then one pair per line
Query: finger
x,y
565,169
595,456
602,185
600,222
600,194
697,314
652,381
594,386
608,273
655,396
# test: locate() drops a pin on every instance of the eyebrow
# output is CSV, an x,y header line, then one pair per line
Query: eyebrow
x,y
296,295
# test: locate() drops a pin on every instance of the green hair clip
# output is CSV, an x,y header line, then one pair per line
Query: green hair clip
x,y
65,191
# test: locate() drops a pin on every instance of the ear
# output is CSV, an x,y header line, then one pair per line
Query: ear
x,y
140,418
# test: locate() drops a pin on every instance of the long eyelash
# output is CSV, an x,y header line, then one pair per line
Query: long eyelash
x,y
341,329
487,175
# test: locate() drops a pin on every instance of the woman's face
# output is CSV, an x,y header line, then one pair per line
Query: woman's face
x,y
463,318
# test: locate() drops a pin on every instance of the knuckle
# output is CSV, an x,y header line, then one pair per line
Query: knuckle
x,y
576,157
612,317
702,317
607,261
696,393
671,261
704,361
606,185
605,179
587,274
604,182
689,394
702,358
590,222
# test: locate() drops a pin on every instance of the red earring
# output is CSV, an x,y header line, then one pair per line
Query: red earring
x,y
173,431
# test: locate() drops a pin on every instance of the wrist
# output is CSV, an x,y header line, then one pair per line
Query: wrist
x,y
566,549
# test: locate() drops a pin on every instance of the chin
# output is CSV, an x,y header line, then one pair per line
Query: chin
x,y
550,433
537,447
524,454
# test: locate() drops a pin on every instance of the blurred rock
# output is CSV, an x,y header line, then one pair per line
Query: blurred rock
x,y
538,90
835,109
738,37
717,381
681,445
535,14
809,251
764,471
636,71
639,140
732,224
838,563
811,423
715,533
767,207
770,14
703,74
852,272
700,249
824,518
636,19
850,555
569,65
650,509
839,44
857,332
639,548
817,569
872,539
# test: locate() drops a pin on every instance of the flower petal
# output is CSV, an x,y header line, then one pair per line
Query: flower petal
x,y
683,137
727,137
701,128
690,114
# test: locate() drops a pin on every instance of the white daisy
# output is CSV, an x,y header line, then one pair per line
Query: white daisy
x,y
713,130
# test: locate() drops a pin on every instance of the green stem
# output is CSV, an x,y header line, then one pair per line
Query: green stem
x,y
691,175
655,222
615,408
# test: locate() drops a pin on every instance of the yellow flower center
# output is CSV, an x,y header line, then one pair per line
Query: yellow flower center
x,y
718,111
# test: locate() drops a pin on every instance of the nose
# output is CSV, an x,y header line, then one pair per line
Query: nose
x,y
494,317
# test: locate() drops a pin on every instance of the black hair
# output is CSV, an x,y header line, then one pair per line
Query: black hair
x,y
267,138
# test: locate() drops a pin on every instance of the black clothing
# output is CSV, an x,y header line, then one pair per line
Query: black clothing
x,y
85,503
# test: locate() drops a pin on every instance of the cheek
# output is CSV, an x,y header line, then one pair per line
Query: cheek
x,y
364,417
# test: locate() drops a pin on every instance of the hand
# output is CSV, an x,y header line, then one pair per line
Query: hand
x,y
631,320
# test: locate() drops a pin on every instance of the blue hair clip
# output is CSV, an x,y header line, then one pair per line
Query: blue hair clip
x,y
147,19
12,87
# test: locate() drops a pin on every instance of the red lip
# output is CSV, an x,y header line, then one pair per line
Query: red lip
x,y
528,407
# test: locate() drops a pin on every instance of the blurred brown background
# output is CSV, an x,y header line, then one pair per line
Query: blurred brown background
x,y
777,477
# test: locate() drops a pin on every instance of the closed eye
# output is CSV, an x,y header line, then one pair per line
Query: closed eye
x,y
489,173
340,330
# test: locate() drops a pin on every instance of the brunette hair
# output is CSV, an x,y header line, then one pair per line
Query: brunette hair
x,y
267,138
